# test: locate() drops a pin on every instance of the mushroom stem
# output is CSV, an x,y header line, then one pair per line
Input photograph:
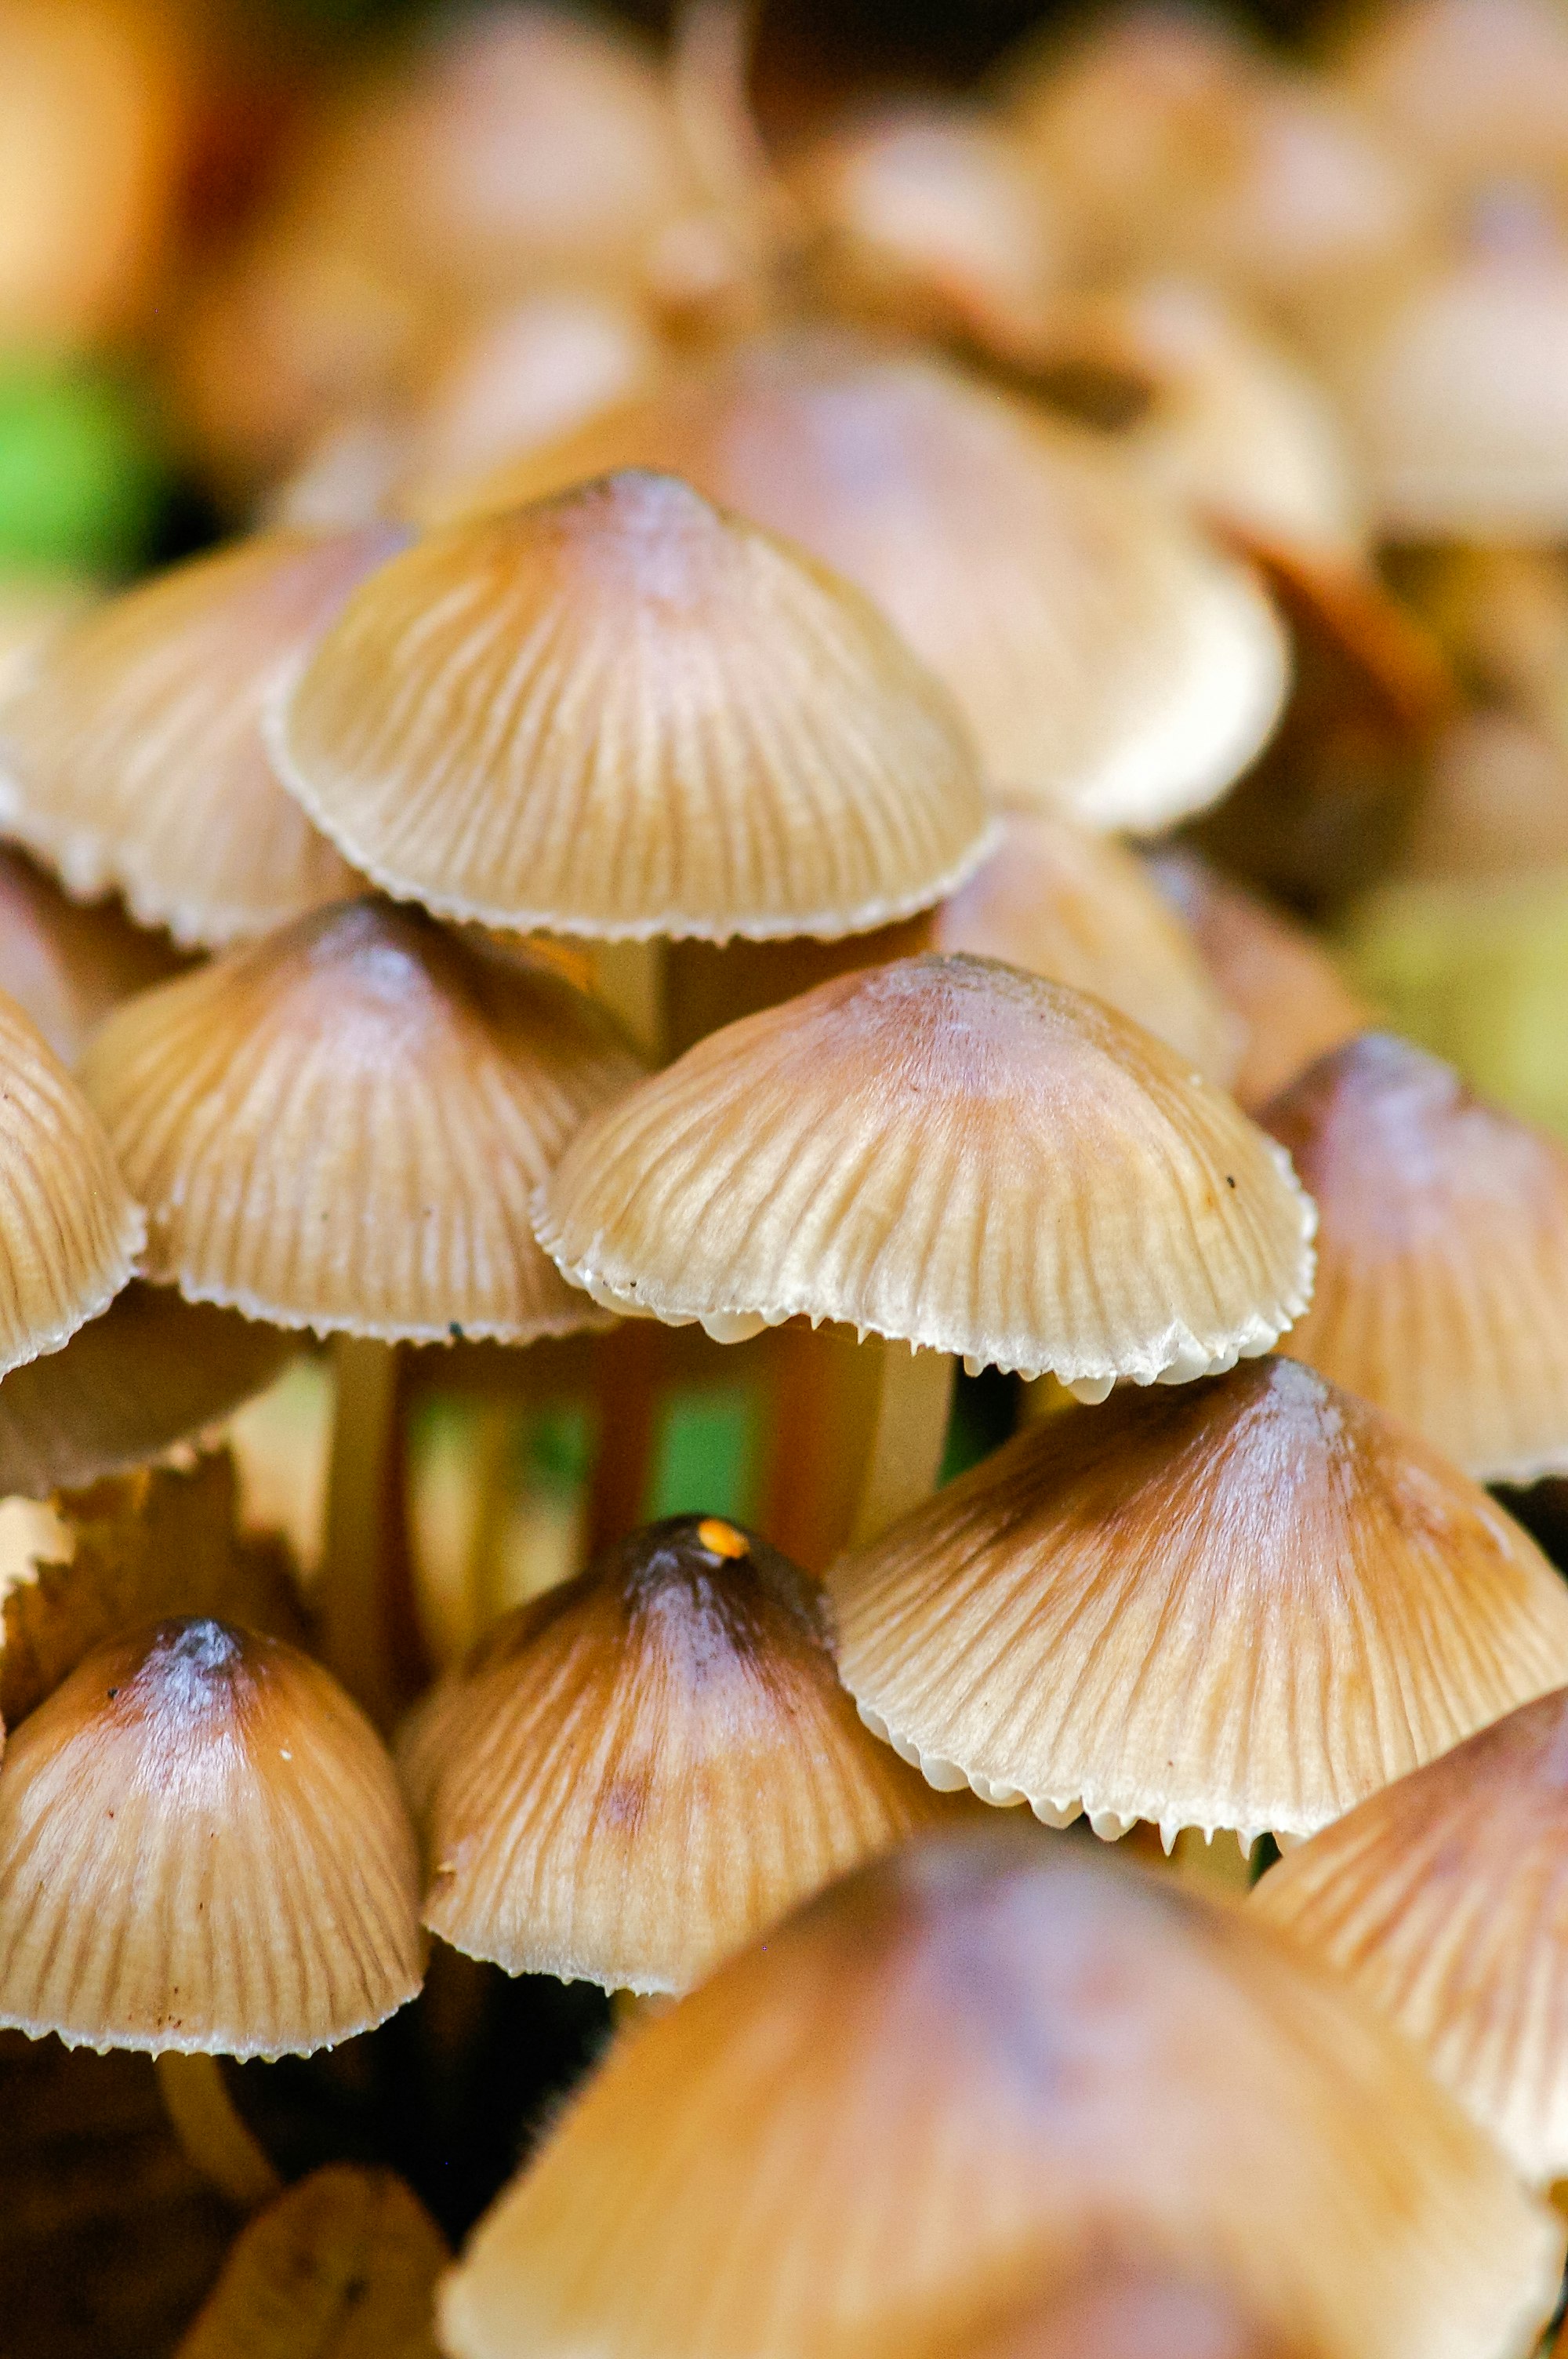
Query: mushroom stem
x,y
367,1619
914,1399
629,977
627,1383
213,2133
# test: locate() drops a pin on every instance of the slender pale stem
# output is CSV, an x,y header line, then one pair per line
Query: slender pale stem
x,y
213,2131
367,1618
907,1437
627,1388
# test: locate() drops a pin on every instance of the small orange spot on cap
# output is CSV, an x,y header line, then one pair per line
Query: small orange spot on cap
x,y
720,1539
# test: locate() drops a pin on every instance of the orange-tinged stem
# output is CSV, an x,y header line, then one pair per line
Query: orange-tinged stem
x,y
367,1616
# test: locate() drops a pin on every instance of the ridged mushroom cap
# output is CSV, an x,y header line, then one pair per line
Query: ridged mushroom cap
x,y
1245,1603
1110,662
1442,1254
1457,395
203,1847
342,2263
147,1373
640,1770
1290,998
131,754
951,1152
1082,909
620,712
969,2067
339,1126
1445,1898
70,1233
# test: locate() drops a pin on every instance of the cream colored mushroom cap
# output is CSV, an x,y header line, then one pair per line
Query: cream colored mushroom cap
x,y
951,1152
1247,1603
620,712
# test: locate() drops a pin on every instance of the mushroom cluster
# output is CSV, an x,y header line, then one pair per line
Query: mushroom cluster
x,y
784,1202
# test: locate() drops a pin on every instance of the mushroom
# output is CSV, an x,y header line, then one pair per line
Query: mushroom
x,y
343,2263
227,1770
1441,1286
1453,383
929,217
958,1158
1279,979
1111,663
1245,1603
957,2076
633,1775
67,966
1117,2309
339,1127
622,714
1081,910
147,1373
69,1235
130,755
1441,1899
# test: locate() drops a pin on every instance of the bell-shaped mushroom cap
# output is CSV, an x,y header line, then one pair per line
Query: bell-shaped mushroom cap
x,y
1457,395
1474,91
1245,1603
1110,663
1293,1003
203,1847
1081,910
69,1235
1442,1254
67,966
640,1770
969,2068
620,712
145,1373
340,2265
951,1152
131,755
1445,1898
339,1126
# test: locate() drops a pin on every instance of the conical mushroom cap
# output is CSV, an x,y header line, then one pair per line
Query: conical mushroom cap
x,y
1081,910
145,1373
643,1768
69,1235
1457,394
1291,1001
1442,1254
131,755
963,2072
1445,1898
948,1151
1245,1603
620,712
1110,662
339,1126
203,1847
